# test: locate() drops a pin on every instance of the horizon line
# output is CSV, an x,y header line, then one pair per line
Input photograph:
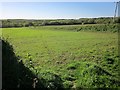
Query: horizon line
x,y
54,18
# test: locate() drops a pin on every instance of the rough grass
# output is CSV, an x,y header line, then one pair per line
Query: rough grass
x,y
82,59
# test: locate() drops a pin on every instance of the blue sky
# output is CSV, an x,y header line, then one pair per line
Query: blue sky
x,y
56,10
59,0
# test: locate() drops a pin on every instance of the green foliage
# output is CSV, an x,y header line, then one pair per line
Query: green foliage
x,y
52,81
9,73
16,75
27,23
97,27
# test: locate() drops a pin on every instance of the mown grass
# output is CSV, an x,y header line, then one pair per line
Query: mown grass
x,y
82,59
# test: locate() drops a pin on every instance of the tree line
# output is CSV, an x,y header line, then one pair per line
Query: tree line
x,y
7,23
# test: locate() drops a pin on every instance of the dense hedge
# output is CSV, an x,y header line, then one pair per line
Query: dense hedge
x,y
16,75
96,27
27,23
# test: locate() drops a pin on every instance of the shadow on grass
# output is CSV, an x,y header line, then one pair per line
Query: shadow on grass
x,y
16,75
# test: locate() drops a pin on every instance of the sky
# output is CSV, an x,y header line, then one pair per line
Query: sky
x,y
59,0
56,10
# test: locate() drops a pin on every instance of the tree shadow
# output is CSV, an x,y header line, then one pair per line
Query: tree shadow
x,y
16,75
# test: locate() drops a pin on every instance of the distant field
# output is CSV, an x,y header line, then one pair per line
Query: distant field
x,y
82,59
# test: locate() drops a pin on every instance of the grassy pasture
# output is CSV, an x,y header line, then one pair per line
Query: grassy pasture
x,y
82,59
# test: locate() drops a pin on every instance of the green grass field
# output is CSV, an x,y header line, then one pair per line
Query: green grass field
x,y
82,59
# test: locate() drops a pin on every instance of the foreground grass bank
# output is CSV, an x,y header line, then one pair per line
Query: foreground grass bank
x,y
81,59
